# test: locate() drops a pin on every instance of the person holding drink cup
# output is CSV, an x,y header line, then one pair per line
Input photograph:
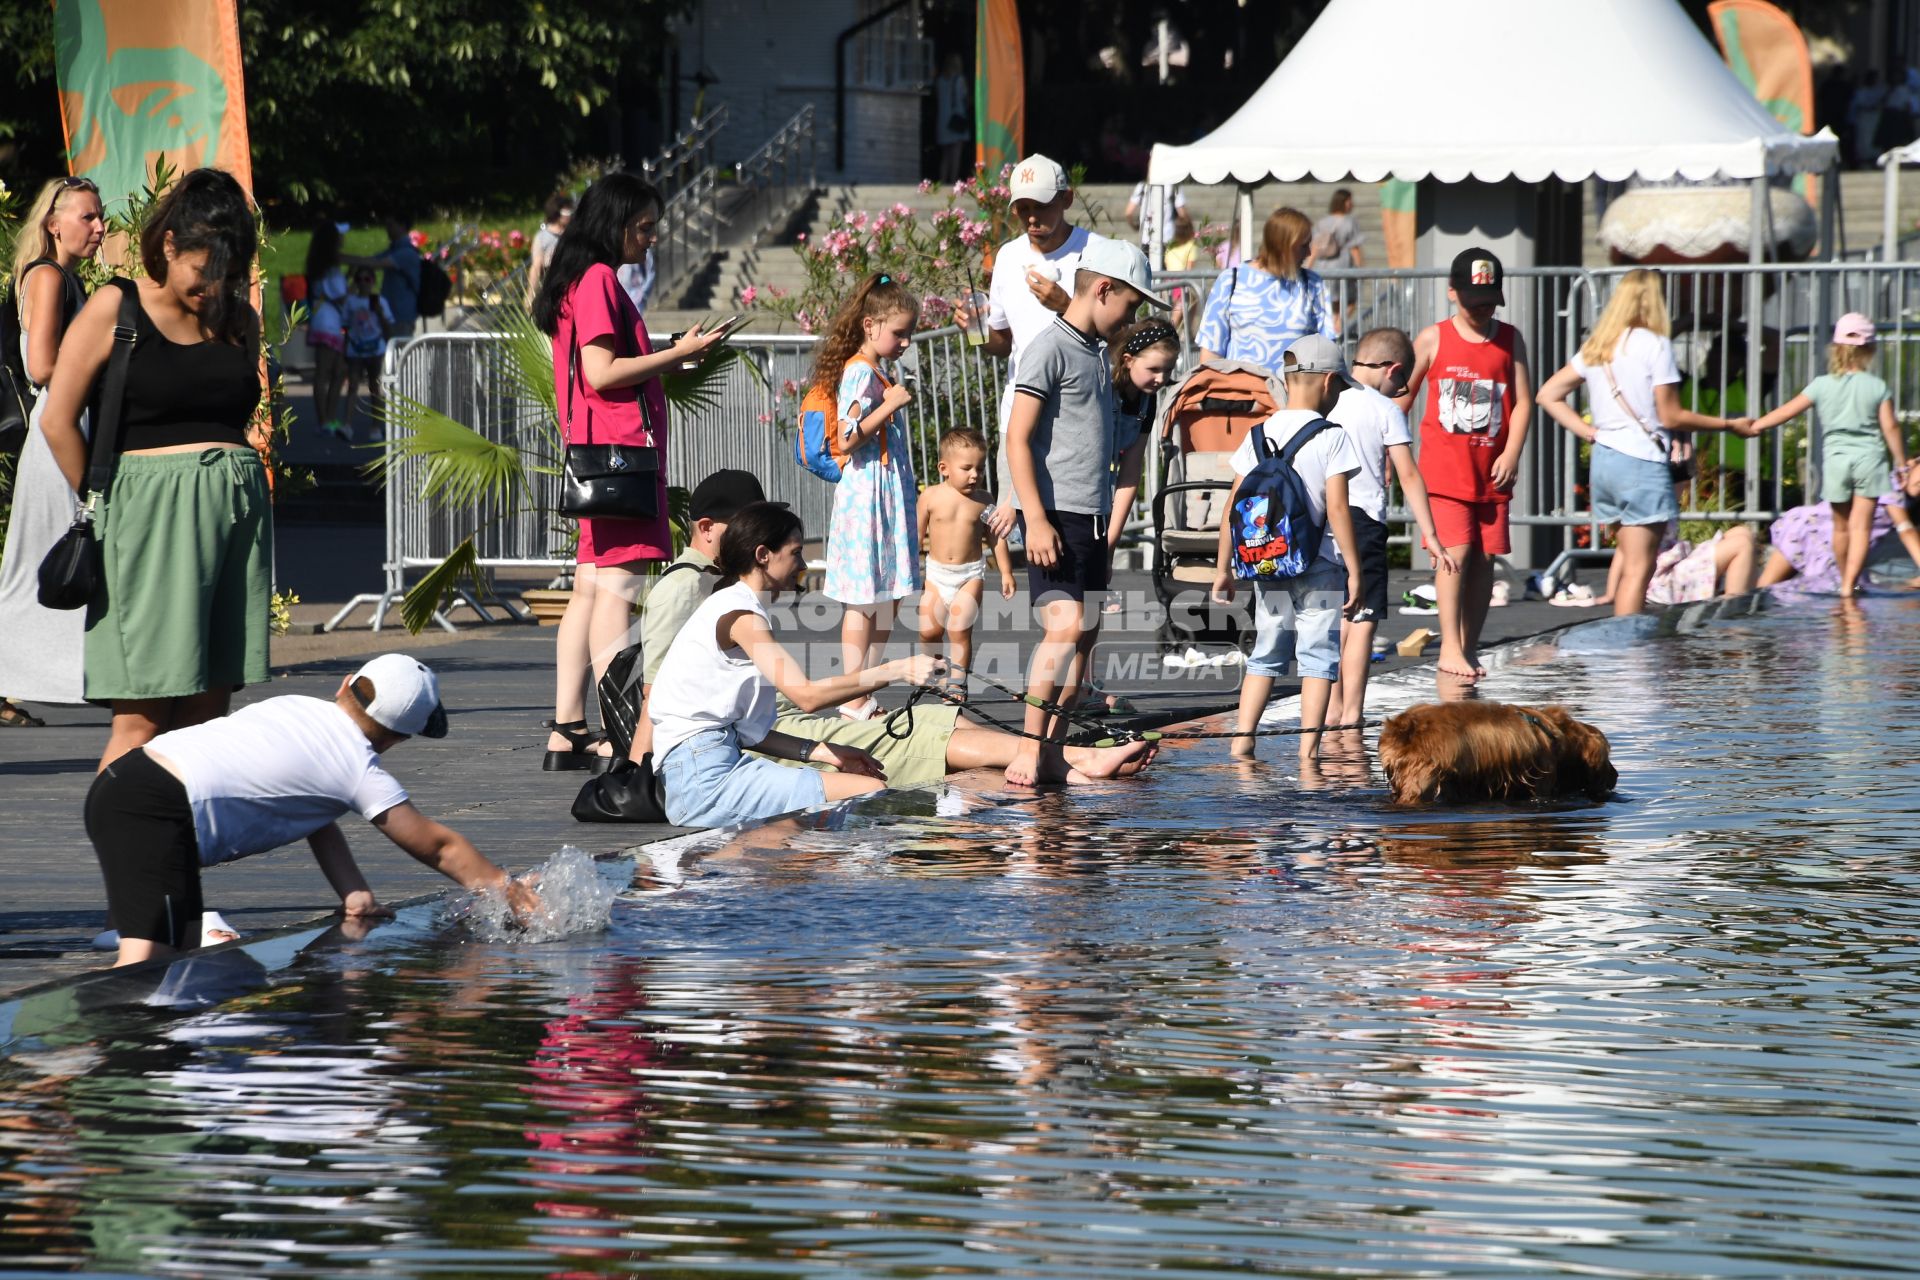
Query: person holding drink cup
x,y
1027,292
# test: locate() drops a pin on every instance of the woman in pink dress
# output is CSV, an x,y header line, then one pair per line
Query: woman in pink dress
x,y
606,378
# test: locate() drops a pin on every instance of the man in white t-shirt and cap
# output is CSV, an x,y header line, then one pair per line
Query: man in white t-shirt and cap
x,y
1033,273
269,774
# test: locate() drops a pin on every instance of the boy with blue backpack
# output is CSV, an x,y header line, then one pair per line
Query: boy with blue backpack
x,y
1289,493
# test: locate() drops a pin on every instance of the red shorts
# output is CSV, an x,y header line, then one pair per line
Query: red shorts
x,y
1478,526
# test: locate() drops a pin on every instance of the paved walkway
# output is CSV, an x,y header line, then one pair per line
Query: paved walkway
x,y
483,779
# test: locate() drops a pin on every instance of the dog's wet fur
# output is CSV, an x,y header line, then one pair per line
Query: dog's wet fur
x,y
1464,752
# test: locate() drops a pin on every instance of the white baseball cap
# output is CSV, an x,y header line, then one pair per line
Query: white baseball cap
x,y
1038,179
406,696
1121,260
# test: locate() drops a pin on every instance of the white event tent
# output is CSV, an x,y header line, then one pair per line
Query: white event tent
x,y
1490,90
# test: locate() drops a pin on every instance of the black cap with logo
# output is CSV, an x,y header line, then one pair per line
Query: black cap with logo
x,y
1476,277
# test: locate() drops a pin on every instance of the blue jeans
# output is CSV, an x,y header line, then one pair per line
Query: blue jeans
x,y
710,782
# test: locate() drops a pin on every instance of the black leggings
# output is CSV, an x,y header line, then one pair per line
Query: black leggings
x,y
141,826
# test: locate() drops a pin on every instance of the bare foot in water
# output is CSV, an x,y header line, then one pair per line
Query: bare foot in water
x,y
1091,764
1024,769
1454,663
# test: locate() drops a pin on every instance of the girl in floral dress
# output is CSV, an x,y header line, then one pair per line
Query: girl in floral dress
x,y
873,546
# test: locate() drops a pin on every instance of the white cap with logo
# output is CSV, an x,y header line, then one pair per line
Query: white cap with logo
x,y
1121,260
406,696
1037,179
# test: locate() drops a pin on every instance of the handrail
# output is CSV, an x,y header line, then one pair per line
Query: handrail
x,y
689,231
772,199
682,160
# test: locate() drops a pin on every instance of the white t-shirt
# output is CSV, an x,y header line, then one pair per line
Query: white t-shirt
x,y
1642,361
273,773
702,686
1011,304
1328,454
1373,424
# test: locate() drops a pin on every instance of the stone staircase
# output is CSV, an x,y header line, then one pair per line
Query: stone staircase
x,y
1103,205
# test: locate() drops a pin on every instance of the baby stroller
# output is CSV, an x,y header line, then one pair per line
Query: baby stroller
x,y
1210,413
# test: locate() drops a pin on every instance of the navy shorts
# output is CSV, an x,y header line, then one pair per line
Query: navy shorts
x,y
1084,558
1370,539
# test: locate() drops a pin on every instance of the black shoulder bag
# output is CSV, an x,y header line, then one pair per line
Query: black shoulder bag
x,y
17,392
71,573
620,480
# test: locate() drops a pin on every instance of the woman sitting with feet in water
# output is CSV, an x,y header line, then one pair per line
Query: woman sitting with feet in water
x,y
713,699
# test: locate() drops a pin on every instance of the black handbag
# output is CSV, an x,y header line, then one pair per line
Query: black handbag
x,y
619,480
70,575
628,792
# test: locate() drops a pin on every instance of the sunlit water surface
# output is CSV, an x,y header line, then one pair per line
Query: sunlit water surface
x,y
1209,1022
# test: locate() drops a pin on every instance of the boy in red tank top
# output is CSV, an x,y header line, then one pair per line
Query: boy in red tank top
x,y
1478,407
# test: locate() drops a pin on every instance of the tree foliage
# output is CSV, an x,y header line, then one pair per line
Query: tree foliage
x,y
371,105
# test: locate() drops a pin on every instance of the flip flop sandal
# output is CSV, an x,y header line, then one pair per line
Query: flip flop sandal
x,y
581,752
15,716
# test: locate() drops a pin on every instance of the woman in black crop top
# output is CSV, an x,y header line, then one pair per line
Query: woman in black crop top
x,y
185,531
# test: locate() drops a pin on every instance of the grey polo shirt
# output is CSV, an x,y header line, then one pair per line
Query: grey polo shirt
x,y
1067,371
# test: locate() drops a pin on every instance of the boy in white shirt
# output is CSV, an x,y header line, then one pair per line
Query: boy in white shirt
x,y
1298,619
269,774
1378,431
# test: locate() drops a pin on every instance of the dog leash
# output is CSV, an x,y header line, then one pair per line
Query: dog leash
x,y
899,723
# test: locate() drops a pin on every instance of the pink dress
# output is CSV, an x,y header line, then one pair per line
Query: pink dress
x,y
597,307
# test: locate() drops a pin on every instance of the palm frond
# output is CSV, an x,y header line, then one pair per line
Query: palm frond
x,y
431,593
463,467
525,359
699,390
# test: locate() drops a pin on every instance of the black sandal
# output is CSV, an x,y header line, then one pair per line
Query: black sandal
x,y
580,752
15,716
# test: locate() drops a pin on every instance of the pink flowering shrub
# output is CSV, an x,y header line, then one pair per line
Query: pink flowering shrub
x,y
938,254
496,253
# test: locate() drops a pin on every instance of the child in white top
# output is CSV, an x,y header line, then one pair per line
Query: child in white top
x,y
271,773
1298,619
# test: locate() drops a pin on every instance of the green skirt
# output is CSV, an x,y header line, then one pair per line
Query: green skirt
x,y
186,542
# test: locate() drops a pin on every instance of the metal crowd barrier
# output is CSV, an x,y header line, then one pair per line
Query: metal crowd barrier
x,y
1713,308
751,425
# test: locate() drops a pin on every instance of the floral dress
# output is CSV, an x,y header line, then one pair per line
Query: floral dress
x,y
1804,536
873,548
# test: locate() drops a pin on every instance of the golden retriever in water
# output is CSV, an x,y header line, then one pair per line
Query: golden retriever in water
x,y
1460,752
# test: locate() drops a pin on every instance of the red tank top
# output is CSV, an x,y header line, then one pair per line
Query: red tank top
x,y
1469,401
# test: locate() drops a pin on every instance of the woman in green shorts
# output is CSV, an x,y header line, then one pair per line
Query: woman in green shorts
x,y
185,532
1863,449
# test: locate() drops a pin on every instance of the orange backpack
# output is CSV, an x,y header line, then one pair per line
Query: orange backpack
x,y
820,447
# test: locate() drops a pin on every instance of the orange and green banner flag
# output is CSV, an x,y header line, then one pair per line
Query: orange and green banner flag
x,y
999,87
146,80
1400,220
1767,53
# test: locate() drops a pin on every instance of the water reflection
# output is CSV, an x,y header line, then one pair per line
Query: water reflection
x,y
1237,1018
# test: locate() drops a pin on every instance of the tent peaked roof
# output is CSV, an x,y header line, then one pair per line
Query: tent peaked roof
x,y
1496,89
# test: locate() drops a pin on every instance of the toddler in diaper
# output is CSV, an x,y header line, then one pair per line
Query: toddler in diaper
x,y
953,529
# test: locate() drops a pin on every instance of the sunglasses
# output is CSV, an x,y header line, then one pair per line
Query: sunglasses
x,y
79,184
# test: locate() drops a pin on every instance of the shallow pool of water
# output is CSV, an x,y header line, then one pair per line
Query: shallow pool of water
x,y
1209,1022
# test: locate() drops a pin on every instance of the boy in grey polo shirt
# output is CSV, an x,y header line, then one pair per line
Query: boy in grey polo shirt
x,y
1059,452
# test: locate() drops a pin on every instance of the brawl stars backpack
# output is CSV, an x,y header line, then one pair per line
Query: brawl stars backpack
x,y
1274,533
819,447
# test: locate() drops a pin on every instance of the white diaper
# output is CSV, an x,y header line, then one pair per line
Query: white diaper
x,y
948,579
